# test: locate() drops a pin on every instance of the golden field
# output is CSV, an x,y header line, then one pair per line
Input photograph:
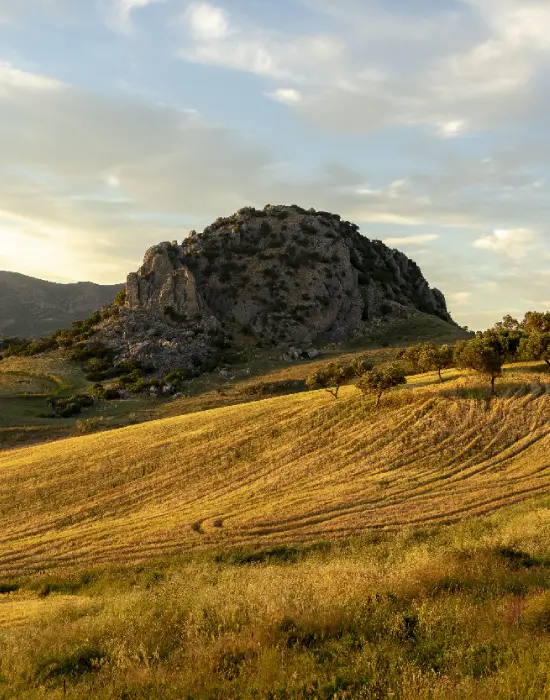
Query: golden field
x,y
294,469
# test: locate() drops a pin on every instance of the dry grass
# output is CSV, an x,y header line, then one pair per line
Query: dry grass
x,y
289,470
457,612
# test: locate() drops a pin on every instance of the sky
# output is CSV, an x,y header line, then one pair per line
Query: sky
x,y
124,123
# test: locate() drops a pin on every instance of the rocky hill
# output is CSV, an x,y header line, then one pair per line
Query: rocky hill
x,y
31,307
279,277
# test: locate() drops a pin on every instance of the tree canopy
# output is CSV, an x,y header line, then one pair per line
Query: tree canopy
x,y
331,378
429,357
486,354
334,376
536,346
381,379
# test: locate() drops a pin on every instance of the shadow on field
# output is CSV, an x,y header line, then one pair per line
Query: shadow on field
x,y
504,390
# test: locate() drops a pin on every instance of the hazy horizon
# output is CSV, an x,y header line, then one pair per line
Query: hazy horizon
x,y
124,123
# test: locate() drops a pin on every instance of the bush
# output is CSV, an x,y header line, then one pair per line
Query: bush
x,y
120,298
70,406
179,375
111,394
285,386
101,393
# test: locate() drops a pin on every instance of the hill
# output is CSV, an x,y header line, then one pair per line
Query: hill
x,y
292,469
27,383
297,548
31,307
279,277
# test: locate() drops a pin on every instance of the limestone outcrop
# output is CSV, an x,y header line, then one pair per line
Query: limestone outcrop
x,y
278,277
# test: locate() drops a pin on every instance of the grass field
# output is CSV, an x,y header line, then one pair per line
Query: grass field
x,y
292,548
292,469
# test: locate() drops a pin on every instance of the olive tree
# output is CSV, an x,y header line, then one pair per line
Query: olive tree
x,y
435,359
381,379
334,376
429,357
331,378
484,354
411,356
536,346
536,322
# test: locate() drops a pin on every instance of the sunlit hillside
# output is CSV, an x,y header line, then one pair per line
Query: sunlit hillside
x,y
297,469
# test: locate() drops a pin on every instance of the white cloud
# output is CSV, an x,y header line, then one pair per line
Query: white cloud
x,y
286,96
206,21
454,71
15,78
515,243
214,38
453,128
421,239
119,12
460,298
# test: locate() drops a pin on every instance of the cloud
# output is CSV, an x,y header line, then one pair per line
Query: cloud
x,y
287,96
452,129
207,22
12,78
454,70
81,168
515,243
118,13
411,240
460,298
212,37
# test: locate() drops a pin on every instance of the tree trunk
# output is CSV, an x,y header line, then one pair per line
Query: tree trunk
x,y
439,372
547,362
493,392
378,399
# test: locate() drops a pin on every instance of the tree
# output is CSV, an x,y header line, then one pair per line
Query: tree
x,y
361,365
536,322
508,323
536,346
331,378
435,359
381,379
428,357
411,355
484,354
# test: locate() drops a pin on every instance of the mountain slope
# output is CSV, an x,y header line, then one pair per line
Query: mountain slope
x,y
31,307
293,469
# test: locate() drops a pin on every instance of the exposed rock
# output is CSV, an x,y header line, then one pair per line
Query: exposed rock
x,y
282,277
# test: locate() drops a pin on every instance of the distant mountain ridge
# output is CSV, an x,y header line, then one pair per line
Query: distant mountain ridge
x,y
31,307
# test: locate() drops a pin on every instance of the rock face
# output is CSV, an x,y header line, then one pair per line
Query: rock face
x,y
278,277
31,307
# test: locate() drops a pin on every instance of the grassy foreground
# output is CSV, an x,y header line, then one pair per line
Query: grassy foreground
x,y
447,612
